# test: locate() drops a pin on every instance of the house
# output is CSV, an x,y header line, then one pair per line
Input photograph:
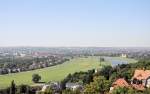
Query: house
x,y
141,79
9,70
73,86
124,55
96,70
45,87
119,83
3,71
55,86
22,55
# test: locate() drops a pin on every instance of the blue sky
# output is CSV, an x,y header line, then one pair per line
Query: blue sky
x,y
101,23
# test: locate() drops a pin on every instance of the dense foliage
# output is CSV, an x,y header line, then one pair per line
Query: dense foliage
x,y
36,78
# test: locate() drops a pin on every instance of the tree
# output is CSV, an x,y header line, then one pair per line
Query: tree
x,y
23,89
147,91
102,59
99,84
63,84
124,90
69,91
90,89
13,88
36,78
87,79
105,71
102,84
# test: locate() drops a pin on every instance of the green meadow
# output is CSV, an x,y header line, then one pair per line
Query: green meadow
x,y
55,73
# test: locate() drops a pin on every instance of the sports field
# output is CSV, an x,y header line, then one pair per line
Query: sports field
x,y
55,73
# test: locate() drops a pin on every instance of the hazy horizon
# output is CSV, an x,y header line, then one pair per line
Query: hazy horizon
x,y
74,23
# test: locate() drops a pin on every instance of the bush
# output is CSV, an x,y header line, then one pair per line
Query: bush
x,y
36,78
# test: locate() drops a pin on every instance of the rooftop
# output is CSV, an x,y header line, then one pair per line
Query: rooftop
x,y
120,83
141,74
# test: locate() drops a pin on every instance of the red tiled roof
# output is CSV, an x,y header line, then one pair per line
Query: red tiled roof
x,y
141,74
120,83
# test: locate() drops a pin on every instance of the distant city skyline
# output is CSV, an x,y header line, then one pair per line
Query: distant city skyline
x,y
75,23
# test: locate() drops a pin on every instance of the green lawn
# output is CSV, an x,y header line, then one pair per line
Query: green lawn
x,y
55,73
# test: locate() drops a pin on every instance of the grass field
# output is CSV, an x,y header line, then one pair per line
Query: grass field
x,y
55,73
